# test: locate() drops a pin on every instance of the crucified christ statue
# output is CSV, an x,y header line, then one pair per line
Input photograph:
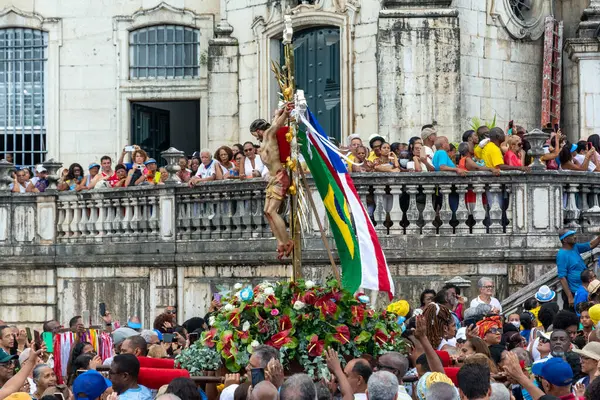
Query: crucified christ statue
x,y
274,151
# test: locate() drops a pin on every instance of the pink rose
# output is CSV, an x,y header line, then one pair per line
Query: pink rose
x,y
274,312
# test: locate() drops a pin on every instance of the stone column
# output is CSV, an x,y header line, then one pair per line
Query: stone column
x,y
584,52
418,68
223,99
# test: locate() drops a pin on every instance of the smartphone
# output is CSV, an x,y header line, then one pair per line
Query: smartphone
x,y
590,145
258,375
102,309
47,338
29,337
129,148
217,297
555,127
85,317
193,337
168,337
37,340
59,396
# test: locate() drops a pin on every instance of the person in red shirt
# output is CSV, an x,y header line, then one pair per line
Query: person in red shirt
x,y
106,174
515,154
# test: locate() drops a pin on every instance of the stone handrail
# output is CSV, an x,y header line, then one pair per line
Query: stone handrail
x,y
400,204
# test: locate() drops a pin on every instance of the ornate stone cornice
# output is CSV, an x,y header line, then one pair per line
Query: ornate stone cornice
x,y
416,3
582,48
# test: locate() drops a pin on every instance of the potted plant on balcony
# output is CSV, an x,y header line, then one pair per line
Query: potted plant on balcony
x,y
300,319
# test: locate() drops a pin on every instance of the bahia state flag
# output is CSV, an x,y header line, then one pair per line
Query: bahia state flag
x,y
363,263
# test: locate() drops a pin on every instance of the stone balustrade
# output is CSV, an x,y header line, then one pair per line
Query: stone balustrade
x,y
172,244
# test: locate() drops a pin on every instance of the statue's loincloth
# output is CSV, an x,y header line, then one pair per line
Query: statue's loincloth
x,y
278,185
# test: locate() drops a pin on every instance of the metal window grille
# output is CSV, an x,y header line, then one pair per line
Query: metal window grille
x,y
164,51
23,54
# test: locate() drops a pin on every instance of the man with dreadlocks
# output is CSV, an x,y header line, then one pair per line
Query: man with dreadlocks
x,y
440,325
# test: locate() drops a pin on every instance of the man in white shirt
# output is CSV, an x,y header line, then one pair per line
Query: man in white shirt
x,y
206,171
428,136
486,290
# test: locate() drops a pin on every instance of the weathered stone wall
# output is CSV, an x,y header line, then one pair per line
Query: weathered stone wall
x,y
499,75
418,72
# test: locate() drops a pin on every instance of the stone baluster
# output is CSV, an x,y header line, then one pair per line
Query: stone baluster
x,y
428,211
118,219
127,216
462,213
363,191
143,214
584,192
60,207
259,229
211,215
68,220
92,215
153,216
237,202
595,193
134,222
572,212
508,224
495,208
100,217
196,211
109,215
396,212
184,222
479,210
201,214
445,212
412,214
245,207
74,226
380,213
225,205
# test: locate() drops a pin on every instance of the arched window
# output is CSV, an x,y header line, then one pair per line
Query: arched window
x,y
23,54
164,51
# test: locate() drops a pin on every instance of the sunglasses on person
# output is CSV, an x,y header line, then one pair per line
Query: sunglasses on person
x,y
248,150
495,331
171,311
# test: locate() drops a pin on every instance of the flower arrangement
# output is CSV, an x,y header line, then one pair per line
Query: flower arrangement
x,y
301,319
199,358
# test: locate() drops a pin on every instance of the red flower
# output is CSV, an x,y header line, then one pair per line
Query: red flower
x,y
326,305
342,335
380,337
285,323
271,302
280,339
209,338
315,346
358,314
262,325
243,335
309,297
234,318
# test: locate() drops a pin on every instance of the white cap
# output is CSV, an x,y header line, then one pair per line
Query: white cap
x,y
352,137
461,334
40,168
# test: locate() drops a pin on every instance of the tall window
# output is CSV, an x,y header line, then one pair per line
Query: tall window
x,y
164,51
23,54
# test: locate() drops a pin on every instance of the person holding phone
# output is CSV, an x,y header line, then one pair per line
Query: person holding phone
x,y
138,168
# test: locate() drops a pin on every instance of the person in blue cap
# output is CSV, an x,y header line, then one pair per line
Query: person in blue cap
x,y
90,385
569,263
93,171
556,377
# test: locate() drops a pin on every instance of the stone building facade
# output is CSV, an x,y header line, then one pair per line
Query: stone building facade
x,y
194,74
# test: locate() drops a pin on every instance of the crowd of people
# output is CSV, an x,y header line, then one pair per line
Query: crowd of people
x,y
456,349
483,149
